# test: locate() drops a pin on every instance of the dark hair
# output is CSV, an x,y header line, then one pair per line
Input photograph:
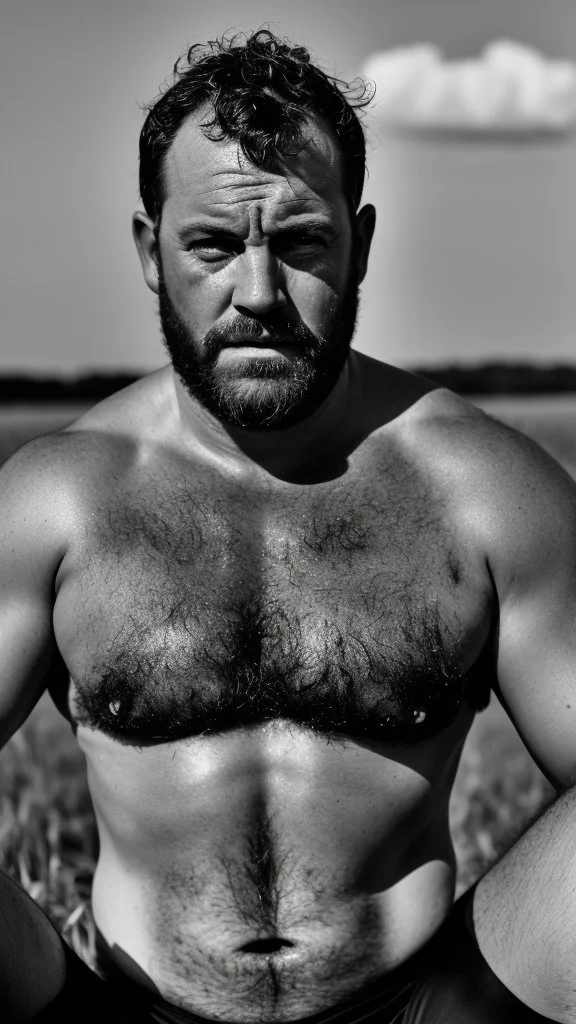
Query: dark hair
x,y
262,92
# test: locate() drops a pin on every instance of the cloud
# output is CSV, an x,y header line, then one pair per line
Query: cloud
x,y
508,88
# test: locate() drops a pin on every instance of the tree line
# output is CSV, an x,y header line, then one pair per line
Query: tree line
x,y
485,379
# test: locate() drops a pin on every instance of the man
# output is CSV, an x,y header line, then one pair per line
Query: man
x,y
270,586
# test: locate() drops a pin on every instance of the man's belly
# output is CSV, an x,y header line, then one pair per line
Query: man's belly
x,y
269,873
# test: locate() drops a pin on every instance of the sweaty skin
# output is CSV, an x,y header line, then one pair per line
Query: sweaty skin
x,y
330,838
269,828
332,841
272,645
325,834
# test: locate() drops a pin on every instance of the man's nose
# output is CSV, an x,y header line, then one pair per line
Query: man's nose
x,y
259,284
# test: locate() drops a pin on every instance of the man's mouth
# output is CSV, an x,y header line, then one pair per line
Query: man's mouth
x,y
261,341
260,348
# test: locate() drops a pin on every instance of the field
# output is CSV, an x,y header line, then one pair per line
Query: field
x,y
47,836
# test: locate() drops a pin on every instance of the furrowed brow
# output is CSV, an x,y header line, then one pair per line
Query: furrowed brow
x,y
207,227
299,225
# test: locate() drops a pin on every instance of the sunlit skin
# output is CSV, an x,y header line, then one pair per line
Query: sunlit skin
x,y
363,866
236,239
272,642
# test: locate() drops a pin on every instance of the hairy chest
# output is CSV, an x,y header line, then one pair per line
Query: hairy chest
x,y
194,613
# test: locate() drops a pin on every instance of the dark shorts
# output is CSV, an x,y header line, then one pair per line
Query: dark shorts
x,y
447,982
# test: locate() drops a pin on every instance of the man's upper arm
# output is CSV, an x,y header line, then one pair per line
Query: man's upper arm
x,y
532,556
32,545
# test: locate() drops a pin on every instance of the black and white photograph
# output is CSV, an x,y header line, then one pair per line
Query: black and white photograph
x,y
288,512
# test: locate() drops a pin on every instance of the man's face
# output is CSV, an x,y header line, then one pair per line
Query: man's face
x,y
257,277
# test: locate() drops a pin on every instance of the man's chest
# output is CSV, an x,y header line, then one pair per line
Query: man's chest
x,y
341,608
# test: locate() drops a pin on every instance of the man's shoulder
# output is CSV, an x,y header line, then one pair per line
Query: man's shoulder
x,y
405,401
450,436
99,445
132,413
456,432
515,499
464,442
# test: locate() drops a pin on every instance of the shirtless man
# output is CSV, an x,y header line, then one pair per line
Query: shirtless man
x,y
270,585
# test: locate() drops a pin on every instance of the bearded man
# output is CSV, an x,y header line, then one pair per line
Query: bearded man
x,y
270,585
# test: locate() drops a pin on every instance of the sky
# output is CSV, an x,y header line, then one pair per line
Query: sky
x,y
468,236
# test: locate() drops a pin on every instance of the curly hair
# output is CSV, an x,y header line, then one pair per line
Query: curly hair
x,y
262,92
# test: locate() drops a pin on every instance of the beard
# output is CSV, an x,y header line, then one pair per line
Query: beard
x,y
268,393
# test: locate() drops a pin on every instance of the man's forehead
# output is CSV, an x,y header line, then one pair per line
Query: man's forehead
x,y
216,175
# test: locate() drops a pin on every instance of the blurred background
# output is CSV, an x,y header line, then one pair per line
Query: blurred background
x,y
471,164
466,234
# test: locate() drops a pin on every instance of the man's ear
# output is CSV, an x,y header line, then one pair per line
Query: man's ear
x,y
365,224
144,233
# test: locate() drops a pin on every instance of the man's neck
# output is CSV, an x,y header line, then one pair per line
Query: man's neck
x,y
287,454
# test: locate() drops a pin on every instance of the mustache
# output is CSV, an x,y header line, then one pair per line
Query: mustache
x,y
278,330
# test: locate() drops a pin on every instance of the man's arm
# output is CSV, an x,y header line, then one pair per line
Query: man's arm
x,y
33,517
525,907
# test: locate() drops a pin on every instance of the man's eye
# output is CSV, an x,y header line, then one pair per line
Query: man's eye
x,y
306,240
212,251
301,243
